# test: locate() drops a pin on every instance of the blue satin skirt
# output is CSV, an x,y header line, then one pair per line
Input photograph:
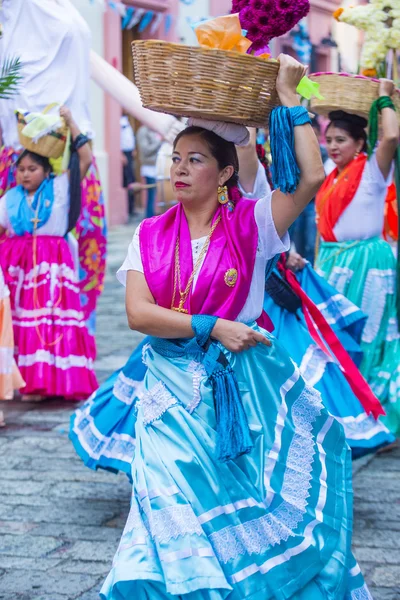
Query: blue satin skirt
x,y
275,523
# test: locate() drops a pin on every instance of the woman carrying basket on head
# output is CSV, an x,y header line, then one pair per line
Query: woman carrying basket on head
x,y
241,479
103,429
55,353
353,257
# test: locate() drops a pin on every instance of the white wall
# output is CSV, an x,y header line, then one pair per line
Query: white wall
x,y
93,13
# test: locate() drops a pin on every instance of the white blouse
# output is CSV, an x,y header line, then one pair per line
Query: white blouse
x,y
55,61
58,220
364,217
269,245
261,186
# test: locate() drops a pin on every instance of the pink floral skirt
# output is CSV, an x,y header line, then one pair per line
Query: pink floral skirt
x,y
53,349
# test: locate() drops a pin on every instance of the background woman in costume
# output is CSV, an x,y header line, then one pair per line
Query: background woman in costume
x,y
317,364
364,432
42,63
55,352
353,257
218,491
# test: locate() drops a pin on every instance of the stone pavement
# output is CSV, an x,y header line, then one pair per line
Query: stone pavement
x,y
60,523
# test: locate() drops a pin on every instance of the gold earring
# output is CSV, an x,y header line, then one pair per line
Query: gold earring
x,y
223,197
357,154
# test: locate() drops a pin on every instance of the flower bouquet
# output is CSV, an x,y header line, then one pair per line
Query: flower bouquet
x,y
380,20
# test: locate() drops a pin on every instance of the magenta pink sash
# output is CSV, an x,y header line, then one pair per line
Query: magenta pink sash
x,y
233,246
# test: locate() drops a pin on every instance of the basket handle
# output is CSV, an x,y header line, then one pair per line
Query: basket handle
x,y
50,106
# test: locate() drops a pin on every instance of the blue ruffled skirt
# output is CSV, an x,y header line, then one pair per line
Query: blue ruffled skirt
x,y
102,430
363,432
273,524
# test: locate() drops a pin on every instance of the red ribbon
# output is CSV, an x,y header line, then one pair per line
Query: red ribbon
x,y
320,330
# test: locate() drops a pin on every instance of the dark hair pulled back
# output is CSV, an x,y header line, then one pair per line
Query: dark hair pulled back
x,y
354,125
224,153
42,161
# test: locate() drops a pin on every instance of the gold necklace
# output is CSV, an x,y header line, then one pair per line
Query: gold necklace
x,y
177,272
36,303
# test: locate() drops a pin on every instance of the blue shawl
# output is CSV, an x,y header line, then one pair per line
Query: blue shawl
x,y
22,215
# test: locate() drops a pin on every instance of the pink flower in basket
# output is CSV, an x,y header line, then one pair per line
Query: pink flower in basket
x,y
268,19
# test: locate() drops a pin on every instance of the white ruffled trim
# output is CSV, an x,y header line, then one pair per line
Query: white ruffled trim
x,y
254,537
60,362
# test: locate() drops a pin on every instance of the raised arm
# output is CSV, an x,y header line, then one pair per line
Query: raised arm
x,y
287,207
84,152
390,131
248,163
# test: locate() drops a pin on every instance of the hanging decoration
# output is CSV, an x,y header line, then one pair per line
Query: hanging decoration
x,y
143,19
301,42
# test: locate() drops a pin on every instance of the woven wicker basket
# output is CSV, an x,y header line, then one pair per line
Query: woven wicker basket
x,y
51,145
352,93
208,83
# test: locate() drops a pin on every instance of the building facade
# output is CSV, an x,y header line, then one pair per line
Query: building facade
x,y
175,23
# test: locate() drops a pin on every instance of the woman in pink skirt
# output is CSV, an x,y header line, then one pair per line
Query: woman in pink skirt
x,y
54,351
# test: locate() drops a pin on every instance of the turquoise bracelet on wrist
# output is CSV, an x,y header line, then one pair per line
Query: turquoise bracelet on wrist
x,y
285,170
202,326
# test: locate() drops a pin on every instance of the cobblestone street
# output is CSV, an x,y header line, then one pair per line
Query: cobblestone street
x,y
60,523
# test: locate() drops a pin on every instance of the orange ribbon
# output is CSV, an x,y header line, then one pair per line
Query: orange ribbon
x,y
224,33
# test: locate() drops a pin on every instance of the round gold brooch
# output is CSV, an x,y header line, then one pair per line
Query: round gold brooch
x,y
231,277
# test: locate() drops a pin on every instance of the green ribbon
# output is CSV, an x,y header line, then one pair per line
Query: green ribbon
x,y
309,89
377,106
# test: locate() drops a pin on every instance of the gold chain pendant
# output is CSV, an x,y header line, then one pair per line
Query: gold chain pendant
x,y
180,310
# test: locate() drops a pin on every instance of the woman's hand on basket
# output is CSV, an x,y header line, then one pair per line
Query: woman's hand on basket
x,y
66,114
237,337
291,72
386,87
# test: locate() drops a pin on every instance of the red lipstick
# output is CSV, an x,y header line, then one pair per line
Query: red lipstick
x,y
181,184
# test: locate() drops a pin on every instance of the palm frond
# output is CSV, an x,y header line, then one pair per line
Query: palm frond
x,y
10,77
